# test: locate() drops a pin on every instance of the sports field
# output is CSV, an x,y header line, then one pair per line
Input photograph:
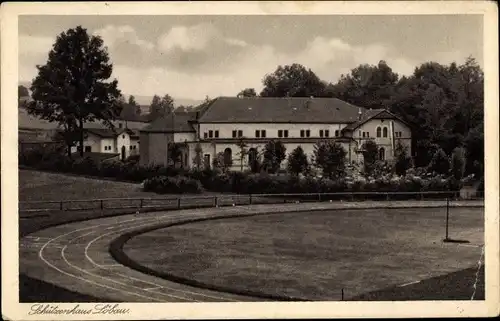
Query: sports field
x,y
314,255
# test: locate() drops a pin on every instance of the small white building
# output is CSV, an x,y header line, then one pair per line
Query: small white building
x,y
220,125
123,142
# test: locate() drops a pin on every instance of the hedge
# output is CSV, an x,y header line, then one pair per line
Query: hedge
x,y
171,180
173,185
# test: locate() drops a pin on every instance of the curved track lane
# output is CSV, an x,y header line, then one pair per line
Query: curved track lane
x,y
76,256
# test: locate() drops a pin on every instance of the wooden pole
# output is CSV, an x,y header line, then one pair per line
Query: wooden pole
x,y
447,215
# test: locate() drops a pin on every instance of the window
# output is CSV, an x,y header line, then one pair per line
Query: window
x,y
337,133
302,133
381,154
263,133
240,133
280,133
123,136
120,125
379,132
257,133
216,134
285,132
398,134
88,149
234,133
206,160
327,133
321,133
210,133
205,135
366,134
228,157
308,133
359,134
385,132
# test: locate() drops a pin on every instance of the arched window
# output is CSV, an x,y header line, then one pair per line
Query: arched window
x,y
381,154
228,156
379,132
252,156
385,131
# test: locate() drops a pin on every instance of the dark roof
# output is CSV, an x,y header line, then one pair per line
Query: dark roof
x,y
108,133
172,122
372,114
365,116
280,110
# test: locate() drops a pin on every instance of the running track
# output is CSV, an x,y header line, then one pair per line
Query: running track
x,y
76,256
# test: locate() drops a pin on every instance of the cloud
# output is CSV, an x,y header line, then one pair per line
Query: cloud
x,y
199,60
114,36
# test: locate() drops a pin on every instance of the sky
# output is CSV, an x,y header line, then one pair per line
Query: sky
x,y
191,57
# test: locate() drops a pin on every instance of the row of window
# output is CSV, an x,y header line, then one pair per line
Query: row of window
x,y
261,133
304,133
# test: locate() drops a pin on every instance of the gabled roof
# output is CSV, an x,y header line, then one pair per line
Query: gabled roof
x,y
107,132
280,110
373,114
172,122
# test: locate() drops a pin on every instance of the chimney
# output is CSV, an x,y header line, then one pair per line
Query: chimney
x,y
359,114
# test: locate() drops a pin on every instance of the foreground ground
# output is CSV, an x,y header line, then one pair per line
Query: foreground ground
x,y
314,255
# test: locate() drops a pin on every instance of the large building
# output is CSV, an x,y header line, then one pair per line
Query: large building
x,y
220,125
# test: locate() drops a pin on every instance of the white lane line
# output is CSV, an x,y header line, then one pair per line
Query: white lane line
x,y
40,255
101,284
141,280
409,283
115,281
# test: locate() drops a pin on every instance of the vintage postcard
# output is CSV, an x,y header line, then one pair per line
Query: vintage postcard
x,y
239,160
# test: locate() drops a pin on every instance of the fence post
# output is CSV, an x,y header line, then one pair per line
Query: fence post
x,y
102,204
216,201
421,196
387,196
447,216
342,294
141,202
61,206
319,197
179,203
250,199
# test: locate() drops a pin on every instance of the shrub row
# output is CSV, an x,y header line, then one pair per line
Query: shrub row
x,y
173,185
170,180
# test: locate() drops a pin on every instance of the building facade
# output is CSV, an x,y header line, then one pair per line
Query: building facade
x,y
219,127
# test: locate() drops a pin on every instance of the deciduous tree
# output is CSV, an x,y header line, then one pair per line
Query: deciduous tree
x,y
72,88
297,161
330,158
274,154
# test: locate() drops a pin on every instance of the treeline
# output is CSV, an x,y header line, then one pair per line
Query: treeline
x,y
443,103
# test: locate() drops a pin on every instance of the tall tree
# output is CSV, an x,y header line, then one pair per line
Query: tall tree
x,y
242,145
370,152
292,81
247,92
366,86
161,106
274,154
330,157
72,88
134,106
22,91
297,161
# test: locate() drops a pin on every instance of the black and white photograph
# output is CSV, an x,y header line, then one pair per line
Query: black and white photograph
x,y
311,153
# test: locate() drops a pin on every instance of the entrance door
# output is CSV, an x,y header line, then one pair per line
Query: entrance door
x,y
123,152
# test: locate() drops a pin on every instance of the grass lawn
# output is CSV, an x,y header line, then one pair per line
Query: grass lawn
x,y
313,255
43,186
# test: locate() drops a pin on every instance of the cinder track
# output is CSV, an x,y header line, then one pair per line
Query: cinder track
x,y
76,256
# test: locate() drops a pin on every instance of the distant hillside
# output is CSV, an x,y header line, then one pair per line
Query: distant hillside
x,y
145,101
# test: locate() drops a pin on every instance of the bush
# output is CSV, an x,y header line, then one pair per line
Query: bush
x,y
173,185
